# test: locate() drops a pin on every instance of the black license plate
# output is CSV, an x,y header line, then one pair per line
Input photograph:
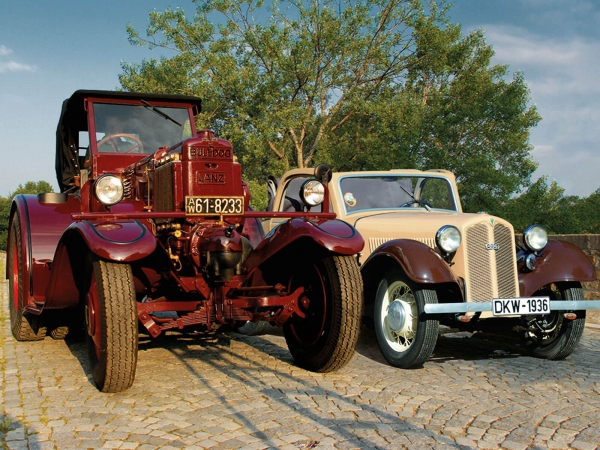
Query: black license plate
x,y
217,206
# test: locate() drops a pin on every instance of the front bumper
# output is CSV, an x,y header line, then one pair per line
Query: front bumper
x,y
555,305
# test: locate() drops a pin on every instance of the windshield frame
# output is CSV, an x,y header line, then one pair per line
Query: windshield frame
x,y
421,177
93,132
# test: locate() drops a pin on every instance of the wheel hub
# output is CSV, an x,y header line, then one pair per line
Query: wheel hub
x,y
398,312
545,329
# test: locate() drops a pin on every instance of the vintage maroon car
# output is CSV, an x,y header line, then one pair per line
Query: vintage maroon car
x,y
153,228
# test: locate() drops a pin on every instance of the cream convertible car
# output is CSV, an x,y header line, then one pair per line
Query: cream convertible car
x,y
426,263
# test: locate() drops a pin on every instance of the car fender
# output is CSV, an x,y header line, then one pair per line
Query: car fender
x,y
42,225
559,262
335,236
419,262
118,241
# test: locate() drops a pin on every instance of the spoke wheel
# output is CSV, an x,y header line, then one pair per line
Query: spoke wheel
x,y
326,338
552,336
406,338
111,324
24,326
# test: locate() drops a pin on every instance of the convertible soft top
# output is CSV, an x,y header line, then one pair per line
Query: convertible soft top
x,y
73,119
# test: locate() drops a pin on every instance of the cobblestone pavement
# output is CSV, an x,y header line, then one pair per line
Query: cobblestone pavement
x,y
227,391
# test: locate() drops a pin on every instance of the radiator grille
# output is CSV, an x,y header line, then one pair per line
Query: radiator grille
x,y
163,188
479,286
505,261
491,273
375,242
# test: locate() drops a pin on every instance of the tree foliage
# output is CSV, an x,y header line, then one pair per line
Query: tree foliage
x,y
368,84
279,87
31,187
454,111
546,204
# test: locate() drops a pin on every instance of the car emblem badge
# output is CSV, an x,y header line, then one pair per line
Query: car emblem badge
x,y
492,223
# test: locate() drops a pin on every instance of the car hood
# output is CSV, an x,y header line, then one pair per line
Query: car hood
x,y
419,225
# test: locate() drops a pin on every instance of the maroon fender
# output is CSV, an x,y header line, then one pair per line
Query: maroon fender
x,y
333,235
559,261
122,241
42,225
418,261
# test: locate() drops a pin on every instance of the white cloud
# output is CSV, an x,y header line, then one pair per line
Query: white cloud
x,y
520,47
13,99
13,66
551,67
562,77
5,50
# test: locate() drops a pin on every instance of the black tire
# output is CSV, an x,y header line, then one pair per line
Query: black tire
x,y
63,323
59,333
24,326
326,338
111,323
253,328
553,336
406,338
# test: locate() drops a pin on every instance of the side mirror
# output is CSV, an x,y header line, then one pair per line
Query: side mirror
x,y
323,173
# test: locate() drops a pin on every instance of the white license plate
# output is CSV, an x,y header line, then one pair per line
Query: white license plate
x,y
518,306
225,206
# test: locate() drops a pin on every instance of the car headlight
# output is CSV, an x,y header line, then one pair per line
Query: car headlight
x,y
312,192
108,189
535,237
448,238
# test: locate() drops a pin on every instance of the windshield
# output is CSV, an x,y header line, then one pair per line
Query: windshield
x,y
360,193
139,129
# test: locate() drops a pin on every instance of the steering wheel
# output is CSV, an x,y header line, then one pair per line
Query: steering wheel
x,y
110,139
412,202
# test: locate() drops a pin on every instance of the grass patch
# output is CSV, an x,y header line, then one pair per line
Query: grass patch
x,y
5,425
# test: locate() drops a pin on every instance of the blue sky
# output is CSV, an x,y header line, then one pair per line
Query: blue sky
x,y
49,49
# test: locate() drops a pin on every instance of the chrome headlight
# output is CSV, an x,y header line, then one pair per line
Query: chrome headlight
x,y
535,237
108,189
312,192
448,238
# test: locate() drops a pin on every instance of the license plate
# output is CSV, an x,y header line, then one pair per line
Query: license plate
x,y
217,206
518,306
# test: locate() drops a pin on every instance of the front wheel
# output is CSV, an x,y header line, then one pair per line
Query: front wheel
x,y
552,336
111,323
406,337
326,338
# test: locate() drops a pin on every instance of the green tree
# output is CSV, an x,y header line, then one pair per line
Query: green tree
x,y
279,87
455,111
31,187
361,85
589,211
547,205
475,122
